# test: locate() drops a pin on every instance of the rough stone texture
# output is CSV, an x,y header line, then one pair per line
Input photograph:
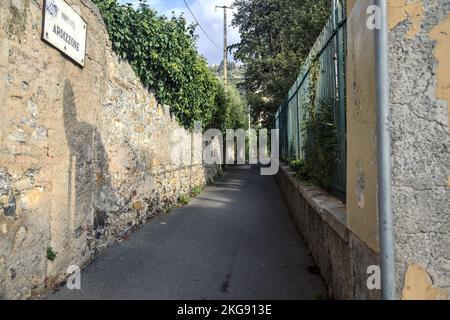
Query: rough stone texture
x,y
420,142
342,257
84,153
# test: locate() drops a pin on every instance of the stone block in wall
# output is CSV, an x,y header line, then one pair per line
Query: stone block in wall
x,y
341,257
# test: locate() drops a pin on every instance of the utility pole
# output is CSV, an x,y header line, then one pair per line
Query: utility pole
x,y
249,120
225,45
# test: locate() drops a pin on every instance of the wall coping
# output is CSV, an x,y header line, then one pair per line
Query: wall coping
x,y
331,209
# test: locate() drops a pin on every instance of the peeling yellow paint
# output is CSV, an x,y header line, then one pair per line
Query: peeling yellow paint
x,y
419,286
400,11
441,33
396,13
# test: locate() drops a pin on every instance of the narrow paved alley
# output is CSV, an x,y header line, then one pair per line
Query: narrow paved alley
x,y
236,240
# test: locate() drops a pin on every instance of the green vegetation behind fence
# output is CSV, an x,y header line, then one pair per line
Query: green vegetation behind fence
x,y
311,120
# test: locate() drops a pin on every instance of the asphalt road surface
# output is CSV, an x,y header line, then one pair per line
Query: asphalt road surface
x,y
236,240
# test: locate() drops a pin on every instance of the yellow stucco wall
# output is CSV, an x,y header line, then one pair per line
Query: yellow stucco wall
x,y
361,114
361,127
361,124
419,286
400,10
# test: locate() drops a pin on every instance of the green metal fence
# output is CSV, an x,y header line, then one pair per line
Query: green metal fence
x,y
328,56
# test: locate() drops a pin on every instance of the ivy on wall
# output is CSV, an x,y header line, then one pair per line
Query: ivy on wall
x,y
162,52
320,147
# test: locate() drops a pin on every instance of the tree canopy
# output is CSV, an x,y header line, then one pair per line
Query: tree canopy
x,y
276,37
163,53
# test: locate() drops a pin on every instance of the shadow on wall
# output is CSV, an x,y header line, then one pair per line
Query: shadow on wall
x,y
90,193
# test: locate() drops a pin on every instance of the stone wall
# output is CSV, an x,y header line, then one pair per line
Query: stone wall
x,y
84,152
342,258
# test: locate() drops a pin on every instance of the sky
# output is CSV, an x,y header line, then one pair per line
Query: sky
x,y
210,19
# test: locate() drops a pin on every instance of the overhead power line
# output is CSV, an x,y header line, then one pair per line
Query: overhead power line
x,y
206,34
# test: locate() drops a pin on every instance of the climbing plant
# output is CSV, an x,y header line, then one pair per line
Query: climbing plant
x,y
162,52
320,147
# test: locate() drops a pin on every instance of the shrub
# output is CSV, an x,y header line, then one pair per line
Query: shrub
x,y
196,190
184,199
51,255
321,146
